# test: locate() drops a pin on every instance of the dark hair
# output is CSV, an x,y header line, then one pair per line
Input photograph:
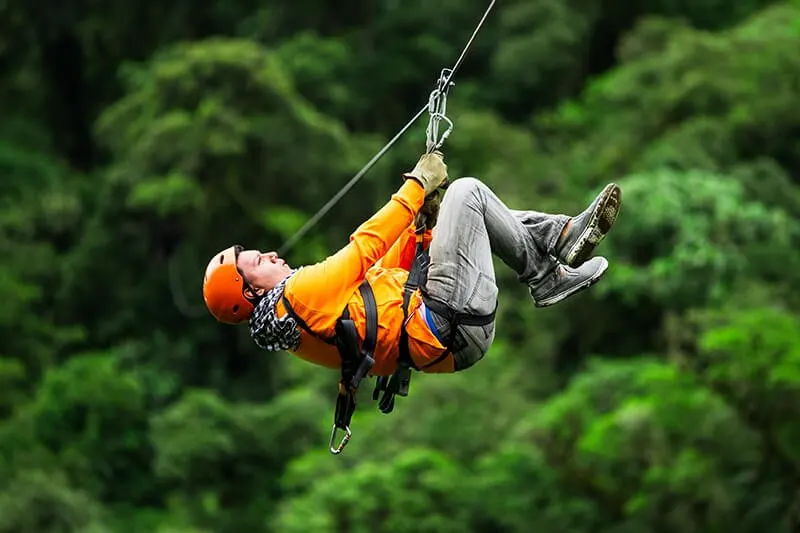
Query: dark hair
x,y
237,249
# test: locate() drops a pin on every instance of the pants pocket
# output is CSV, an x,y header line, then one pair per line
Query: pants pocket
x,y
483,296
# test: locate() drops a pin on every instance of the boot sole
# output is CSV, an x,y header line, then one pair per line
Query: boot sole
x,y
603,217
546,302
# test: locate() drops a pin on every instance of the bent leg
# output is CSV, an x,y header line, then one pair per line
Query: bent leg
x,y
543,227
473,225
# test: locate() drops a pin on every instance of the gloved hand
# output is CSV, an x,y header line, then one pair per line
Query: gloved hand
x,y
430,171
429,212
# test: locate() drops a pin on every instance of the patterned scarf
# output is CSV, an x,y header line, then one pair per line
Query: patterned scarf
x,y
267,330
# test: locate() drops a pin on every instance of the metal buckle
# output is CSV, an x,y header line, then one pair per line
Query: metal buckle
x,y
344,441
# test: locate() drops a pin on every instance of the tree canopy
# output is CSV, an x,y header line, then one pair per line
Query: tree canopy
x,y
136,139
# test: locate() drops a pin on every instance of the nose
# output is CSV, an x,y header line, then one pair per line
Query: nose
x,y
272,256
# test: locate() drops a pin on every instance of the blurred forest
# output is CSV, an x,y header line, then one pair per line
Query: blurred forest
x,y
138,138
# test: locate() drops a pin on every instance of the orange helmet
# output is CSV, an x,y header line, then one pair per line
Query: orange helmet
x,y
224,288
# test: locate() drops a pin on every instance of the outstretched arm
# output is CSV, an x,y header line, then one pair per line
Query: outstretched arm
x,y
321,291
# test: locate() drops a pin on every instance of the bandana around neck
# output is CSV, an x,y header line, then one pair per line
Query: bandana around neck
x,y
267,330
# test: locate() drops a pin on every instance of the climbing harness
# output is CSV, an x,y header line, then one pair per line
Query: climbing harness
x,y
357,361
436,108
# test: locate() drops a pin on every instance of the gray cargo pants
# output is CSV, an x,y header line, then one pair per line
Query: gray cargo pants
x,y
473,225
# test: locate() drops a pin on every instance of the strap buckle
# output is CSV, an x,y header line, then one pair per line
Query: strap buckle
x,y
396,385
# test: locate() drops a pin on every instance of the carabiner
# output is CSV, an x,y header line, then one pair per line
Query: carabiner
x,y
437,109
344,441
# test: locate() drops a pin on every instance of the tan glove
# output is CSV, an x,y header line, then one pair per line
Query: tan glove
x,y
430,171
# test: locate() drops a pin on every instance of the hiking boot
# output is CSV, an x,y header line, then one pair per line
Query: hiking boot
x,y
565,281
588,229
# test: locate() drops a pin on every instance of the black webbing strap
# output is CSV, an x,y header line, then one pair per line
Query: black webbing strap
x,y
400,381
454,319
457,319
302,323
356,363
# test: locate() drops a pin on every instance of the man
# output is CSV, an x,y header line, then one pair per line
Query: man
x,y
445,325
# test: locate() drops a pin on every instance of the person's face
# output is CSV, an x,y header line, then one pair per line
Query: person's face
x,y
262,271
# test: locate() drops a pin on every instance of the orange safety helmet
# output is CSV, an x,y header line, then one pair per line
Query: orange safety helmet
x,y
224,288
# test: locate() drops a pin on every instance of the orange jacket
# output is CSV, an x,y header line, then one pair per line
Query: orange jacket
x,y
380,250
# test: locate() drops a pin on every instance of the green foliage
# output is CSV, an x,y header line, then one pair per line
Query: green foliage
x,y
689,238
646,440
221,114
392,497
753,358
43,502
687,99
139,138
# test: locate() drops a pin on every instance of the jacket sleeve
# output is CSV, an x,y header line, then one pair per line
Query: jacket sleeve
x,y
401,254
320,292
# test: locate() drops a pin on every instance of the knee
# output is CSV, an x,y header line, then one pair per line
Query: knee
x,y
464,188
465,183
473,348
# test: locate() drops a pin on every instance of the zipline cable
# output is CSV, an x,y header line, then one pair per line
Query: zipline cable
x,y
313,220
436,107
437,102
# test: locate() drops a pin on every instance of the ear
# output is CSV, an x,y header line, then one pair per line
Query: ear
x,y
250,293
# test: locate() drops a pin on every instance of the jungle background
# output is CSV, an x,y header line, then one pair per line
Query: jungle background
x,y
137,138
